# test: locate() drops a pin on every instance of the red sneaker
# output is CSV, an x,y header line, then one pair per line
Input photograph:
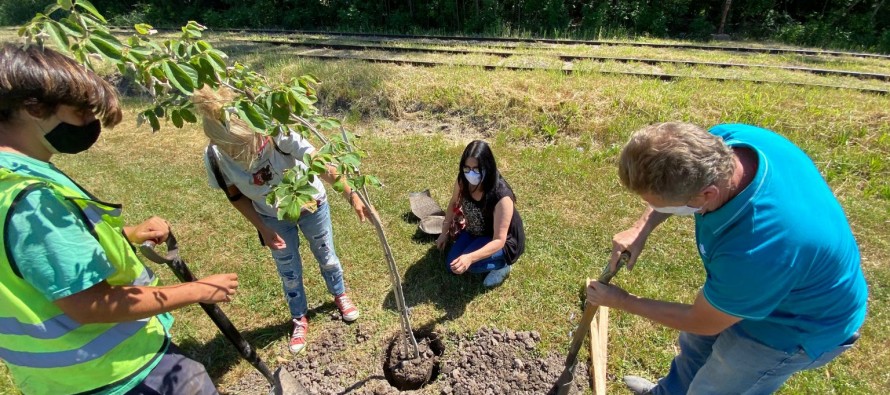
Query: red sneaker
x,y
347,308
298,338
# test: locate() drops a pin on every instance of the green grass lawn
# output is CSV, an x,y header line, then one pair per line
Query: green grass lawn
x,y
556,138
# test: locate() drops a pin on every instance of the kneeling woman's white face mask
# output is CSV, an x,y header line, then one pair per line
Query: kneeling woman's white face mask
x,y
474,177
472,172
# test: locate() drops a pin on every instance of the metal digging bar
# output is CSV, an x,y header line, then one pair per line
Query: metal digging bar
x,y
409,344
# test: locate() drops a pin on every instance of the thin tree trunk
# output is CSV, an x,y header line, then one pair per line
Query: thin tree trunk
x,y
726,6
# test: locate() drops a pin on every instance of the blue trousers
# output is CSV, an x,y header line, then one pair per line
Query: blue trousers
x,y
467,243
175,374
317,229
733,363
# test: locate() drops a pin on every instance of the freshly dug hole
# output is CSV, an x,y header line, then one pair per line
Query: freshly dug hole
x,y
411,374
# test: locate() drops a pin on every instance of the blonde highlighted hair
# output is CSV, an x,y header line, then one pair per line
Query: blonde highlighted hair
x,y
233,136
674,160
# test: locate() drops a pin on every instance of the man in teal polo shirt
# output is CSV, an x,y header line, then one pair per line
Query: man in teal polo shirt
x,y
784,290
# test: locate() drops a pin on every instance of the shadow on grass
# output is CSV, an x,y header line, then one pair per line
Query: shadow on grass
x,y
428,281
219,355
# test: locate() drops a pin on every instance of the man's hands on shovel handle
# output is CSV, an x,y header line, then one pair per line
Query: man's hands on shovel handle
x,y
631,240
599,294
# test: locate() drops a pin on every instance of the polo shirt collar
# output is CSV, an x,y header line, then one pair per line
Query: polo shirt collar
x,y
718,220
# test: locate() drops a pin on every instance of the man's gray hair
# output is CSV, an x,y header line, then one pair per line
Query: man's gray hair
x,y
674,161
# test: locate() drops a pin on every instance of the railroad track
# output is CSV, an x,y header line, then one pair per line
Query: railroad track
x,y
767,50
568,70
567,67
572,58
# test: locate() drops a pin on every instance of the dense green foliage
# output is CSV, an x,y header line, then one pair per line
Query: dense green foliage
x,y
856,24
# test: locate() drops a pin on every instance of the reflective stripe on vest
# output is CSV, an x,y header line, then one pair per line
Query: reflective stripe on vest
x,y
54,327
46,351
96,348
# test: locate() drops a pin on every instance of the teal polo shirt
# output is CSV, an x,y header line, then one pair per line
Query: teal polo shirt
x,y
781,254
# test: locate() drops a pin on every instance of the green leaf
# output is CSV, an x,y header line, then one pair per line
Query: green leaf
x,y
192,73
351,158
339,186
71,27
142,52
373,181
66,4
318,167
286,201
191,32
293,210
249,114
89,7
307,190
218,59
153,121
214,67
143,28
188,116
176,119
309,78
203,45
107,49
178,77
105,35
58,36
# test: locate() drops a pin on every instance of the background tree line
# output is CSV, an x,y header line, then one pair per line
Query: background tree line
x,y
847,24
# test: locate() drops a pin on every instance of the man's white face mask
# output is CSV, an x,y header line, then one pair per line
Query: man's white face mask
x,y
677,210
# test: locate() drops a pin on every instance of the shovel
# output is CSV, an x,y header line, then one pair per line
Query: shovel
x,y
564,383
282,382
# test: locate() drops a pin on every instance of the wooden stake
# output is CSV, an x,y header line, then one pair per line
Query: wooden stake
x,y
599,341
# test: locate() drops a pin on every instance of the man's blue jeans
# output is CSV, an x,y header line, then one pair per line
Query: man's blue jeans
x,y
317,229
733,363
467,243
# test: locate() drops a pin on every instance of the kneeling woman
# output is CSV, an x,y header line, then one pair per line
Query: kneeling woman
x,y
493,238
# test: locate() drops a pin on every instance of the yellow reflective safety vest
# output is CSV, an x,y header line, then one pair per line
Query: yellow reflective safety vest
x,y
48,352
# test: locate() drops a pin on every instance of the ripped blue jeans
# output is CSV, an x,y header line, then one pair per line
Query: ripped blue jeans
x,y
317,229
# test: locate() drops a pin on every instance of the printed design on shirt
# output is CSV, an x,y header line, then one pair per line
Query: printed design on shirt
x,y
264,175
701,248
475,218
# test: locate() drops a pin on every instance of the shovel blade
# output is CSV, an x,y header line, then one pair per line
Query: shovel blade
x,y
285,384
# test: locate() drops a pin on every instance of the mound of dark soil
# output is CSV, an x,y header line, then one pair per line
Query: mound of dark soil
x,y
491,361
